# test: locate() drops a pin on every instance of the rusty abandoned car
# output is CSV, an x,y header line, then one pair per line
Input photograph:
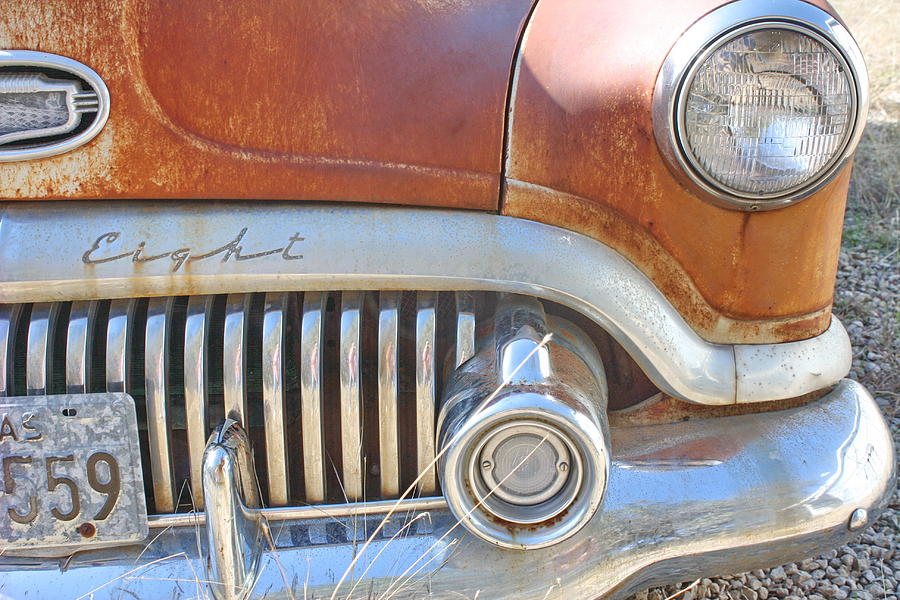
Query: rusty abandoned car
x,y
424,298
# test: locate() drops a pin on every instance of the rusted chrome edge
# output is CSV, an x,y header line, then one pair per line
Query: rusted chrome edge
x,y
89,250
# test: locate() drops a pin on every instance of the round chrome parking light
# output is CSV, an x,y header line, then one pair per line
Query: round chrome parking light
x,y
527,471
522,432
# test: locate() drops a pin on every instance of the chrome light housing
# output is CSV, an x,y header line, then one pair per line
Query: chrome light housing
x,y
760,103
522,430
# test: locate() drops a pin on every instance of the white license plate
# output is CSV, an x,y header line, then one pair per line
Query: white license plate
x,y
70,471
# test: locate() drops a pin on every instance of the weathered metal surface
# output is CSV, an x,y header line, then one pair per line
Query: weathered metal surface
x,y
582,155
682,498
381,249
71,472
396,101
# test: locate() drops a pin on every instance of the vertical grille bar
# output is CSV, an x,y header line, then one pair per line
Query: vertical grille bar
x,y
9,323
425,390
465,328
234,349
39,353
156,356
196,395
79,346
118,344
388,436
351,405
311,342
276,308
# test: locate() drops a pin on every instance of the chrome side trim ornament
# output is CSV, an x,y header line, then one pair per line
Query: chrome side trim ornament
x,y
388,382
312,340
50,107
156,387
273,350
79,346
426,339
42,250
39,359
9,323
234,349
119,333
351,394
234,531
196,394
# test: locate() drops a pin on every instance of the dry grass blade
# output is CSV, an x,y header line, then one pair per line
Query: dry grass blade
x,y
459,522
432,464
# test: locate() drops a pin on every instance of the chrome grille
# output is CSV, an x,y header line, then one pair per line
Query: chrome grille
x,y
338,389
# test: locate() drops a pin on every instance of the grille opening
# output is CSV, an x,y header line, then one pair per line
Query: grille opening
x,y
627,383
97,357
56,371
331,355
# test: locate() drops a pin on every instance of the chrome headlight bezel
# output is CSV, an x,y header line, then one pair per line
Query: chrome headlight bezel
x,y
708,35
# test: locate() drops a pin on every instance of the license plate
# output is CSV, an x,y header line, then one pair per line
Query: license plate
x,y
70,471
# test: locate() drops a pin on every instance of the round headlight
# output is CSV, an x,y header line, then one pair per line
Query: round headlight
x,y
763,112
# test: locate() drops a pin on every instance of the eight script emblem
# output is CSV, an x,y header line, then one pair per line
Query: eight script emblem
x,y
98,253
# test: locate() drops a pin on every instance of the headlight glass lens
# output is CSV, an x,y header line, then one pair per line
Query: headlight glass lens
x,y
767,112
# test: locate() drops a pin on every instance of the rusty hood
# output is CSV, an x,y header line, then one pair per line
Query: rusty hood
x,y
390,101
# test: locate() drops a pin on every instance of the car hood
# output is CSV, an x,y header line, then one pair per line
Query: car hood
x,y
392,101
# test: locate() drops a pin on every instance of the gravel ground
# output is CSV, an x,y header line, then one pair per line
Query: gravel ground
x,y
868,302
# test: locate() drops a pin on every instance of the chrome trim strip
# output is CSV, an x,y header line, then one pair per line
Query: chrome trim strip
x,y
39,358
304,513
80,102
43,247
695,515
714,29
156,374
426,303
196,396
763,373
465,328
79,346
119,329
351,402
388,413
234,356
273,348
9,323
312,332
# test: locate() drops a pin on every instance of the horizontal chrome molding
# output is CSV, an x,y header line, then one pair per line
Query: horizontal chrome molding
x,y
92,250
81,102
696,516
325,511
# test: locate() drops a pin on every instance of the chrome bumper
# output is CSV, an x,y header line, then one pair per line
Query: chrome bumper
x,y
685,500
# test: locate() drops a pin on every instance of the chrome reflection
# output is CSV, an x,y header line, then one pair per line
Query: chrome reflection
x,y
696,521
234,532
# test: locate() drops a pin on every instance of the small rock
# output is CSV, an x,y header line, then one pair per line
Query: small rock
x,y
809,565
778,574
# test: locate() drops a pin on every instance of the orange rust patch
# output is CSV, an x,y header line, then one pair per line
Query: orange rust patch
x,y
582,155
391,102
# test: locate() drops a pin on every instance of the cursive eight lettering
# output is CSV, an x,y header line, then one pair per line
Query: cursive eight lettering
x,y
97,253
